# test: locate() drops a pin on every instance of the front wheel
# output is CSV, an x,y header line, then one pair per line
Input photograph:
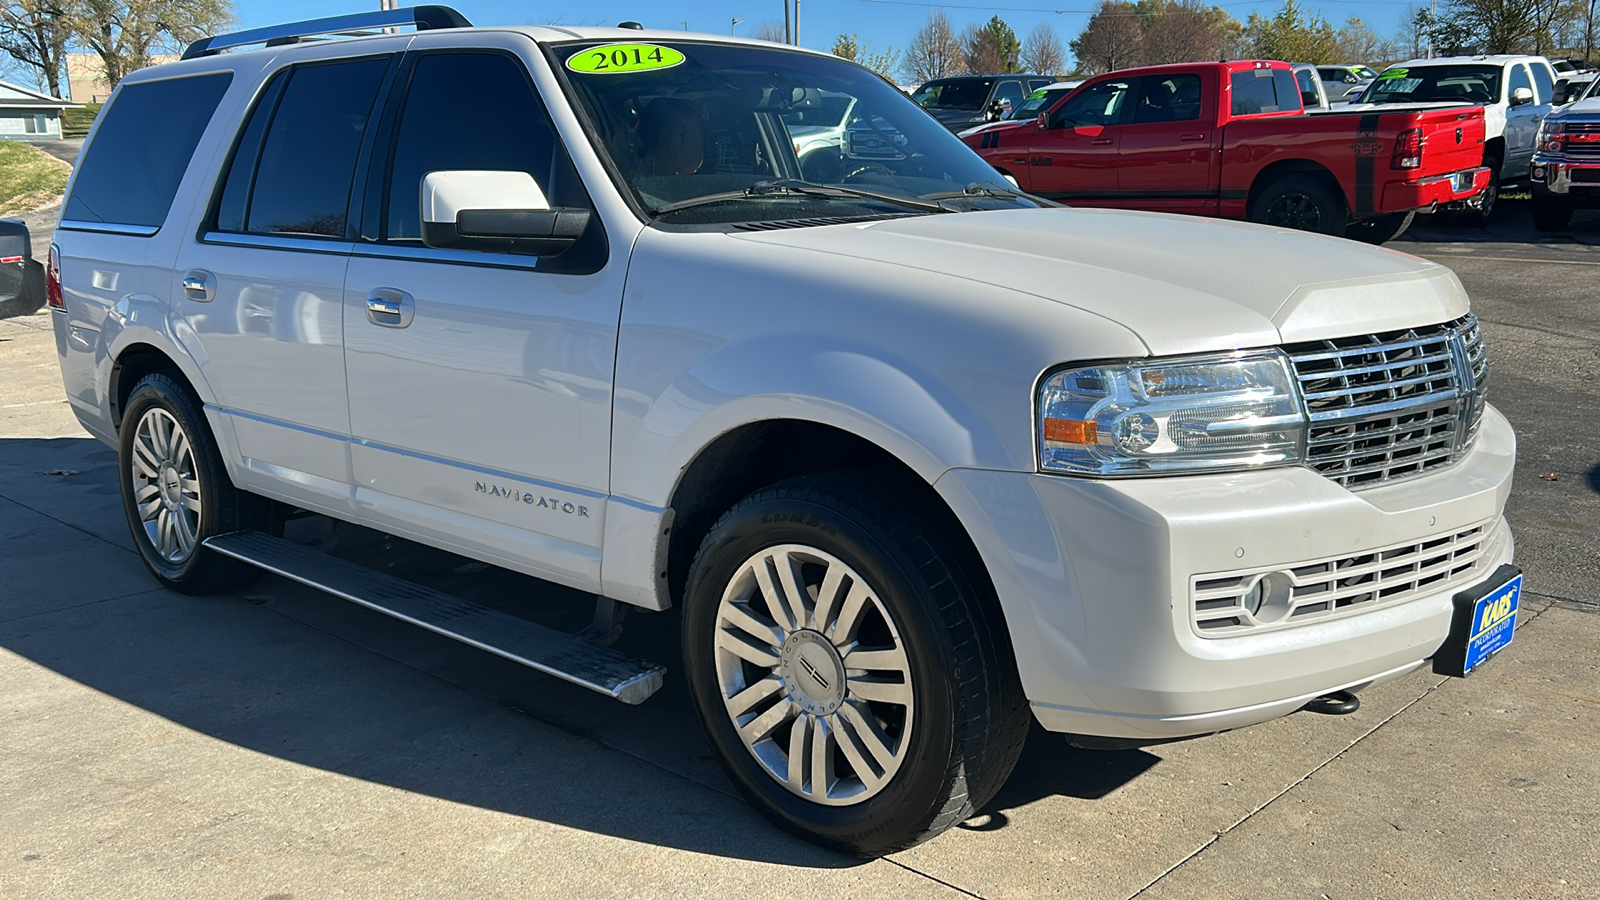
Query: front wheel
x,y
1550,214
176,491
856,683
1300,202
1381,229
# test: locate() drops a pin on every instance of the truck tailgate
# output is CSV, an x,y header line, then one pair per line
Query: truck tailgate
x,y
1452,139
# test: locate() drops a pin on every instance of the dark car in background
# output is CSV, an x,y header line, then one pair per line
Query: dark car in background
x,y
962,101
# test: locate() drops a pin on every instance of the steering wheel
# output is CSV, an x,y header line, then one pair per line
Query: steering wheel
x,y
870,168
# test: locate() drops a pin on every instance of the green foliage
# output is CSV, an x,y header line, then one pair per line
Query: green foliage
x,y
1292,35
851,47
75,122
29,178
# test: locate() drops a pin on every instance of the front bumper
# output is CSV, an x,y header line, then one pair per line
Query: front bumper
x,y
1566,177
1438,190
1095,578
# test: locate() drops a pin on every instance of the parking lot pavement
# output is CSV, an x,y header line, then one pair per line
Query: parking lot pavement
x,y
278,742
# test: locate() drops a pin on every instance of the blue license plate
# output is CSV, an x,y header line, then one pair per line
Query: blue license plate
x,y
1485,621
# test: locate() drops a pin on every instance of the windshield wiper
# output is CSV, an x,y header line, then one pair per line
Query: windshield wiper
x,y
795,187
988,189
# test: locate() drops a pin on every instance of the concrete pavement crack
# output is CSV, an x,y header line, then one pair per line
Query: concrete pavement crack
x,y
957,888
76,528
1306,777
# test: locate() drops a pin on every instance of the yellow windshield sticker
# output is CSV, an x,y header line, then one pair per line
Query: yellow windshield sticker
x,y
621,59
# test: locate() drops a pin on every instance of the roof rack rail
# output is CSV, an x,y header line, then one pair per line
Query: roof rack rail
x,y
424,18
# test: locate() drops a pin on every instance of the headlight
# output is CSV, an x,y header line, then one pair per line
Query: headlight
x,y
1204,413
1549,136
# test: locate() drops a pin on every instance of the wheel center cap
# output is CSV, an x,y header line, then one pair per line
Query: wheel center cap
x,y
170,485
812,672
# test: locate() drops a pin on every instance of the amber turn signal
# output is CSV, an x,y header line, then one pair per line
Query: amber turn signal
x,y
1069,431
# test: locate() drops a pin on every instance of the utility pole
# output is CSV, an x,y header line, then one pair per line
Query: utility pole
x,y
732,25
797,23
1433,22
787,34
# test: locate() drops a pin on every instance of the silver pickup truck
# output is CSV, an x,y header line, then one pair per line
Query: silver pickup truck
x,y
921,459
1566,164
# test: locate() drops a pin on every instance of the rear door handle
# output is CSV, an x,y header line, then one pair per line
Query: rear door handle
x,y
199,285
1101,142
390,308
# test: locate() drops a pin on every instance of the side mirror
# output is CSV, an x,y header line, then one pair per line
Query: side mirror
x,y
1563,90
1043,120
1521,96
496,212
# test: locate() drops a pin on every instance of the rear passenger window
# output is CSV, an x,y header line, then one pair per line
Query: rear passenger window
x,y
130,172
304,167
1546,83
1169,98
1264,91
510,132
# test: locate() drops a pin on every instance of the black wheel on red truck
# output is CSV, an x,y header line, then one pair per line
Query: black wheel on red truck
x,y
1301,202
1380,229
1550,214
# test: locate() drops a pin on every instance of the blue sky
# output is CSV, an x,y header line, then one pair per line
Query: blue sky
x,y
878,22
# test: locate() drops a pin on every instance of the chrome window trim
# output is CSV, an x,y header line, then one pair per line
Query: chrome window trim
x,y
336,247
454,257
109,227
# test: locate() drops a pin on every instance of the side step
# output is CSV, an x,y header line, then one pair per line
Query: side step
x,y
566,656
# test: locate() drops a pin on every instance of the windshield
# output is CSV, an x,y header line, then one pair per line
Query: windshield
x,y
708,134
1363,72
1435,84
1037,102
954,93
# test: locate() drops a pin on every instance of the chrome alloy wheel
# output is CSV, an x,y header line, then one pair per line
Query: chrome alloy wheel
x,y
166,488
814,674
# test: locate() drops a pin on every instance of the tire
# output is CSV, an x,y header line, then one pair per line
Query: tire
x,y
1488,201
1380,230
1303,203
1550,214
946,710
167,456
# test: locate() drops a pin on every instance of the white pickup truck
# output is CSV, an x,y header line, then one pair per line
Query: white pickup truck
x,y
1516,93
920,458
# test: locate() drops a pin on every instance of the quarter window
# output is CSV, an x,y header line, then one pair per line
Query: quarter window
x,y
473,111
304,167
151,128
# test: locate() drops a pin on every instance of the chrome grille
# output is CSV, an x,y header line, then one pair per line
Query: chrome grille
x,y
1392,405
1224,604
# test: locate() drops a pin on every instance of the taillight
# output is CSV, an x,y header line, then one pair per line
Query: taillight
x,y
1407,150
52,280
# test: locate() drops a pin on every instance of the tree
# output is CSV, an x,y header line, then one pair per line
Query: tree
x,y
1186,31
992,47
35,34
934,51
1293,36
126,33
1358,43
1111,40
1042,52
849,46
769,31
1495,26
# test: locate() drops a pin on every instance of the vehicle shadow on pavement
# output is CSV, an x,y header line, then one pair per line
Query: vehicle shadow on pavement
x,y
1512,223
75,598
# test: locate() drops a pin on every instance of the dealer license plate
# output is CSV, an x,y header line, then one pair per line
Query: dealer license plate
x,y
1485,621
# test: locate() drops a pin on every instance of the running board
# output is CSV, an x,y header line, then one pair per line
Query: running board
x,y
566,656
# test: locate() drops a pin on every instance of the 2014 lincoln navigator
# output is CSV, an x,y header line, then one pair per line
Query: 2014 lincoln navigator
x,y
920,457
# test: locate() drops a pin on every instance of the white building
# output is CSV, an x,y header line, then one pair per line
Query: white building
x,y
29,115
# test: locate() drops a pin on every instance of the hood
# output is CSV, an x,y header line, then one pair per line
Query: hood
x,y
1583,109
1182,284
957,118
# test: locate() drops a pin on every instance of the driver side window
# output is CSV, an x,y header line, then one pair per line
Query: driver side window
x,y
1519,79
1099,104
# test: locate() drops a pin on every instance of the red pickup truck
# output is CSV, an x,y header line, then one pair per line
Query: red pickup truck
x,y
1232,139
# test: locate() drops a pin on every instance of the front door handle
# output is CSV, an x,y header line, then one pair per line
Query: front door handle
x,y
1192,137
1101,142
199,285
390,308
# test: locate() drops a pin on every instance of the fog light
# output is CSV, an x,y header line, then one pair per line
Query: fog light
x,y
1267,601
1538,173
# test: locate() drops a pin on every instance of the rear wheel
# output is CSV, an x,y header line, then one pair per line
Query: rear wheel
x,y
1480,209
856,683
1550,214
1301,202
176,491
1382,229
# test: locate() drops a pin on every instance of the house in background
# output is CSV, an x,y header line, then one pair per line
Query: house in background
x,y
29,115
86,77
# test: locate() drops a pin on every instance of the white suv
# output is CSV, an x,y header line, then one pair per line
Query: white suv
x,y
920,459
1516,93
